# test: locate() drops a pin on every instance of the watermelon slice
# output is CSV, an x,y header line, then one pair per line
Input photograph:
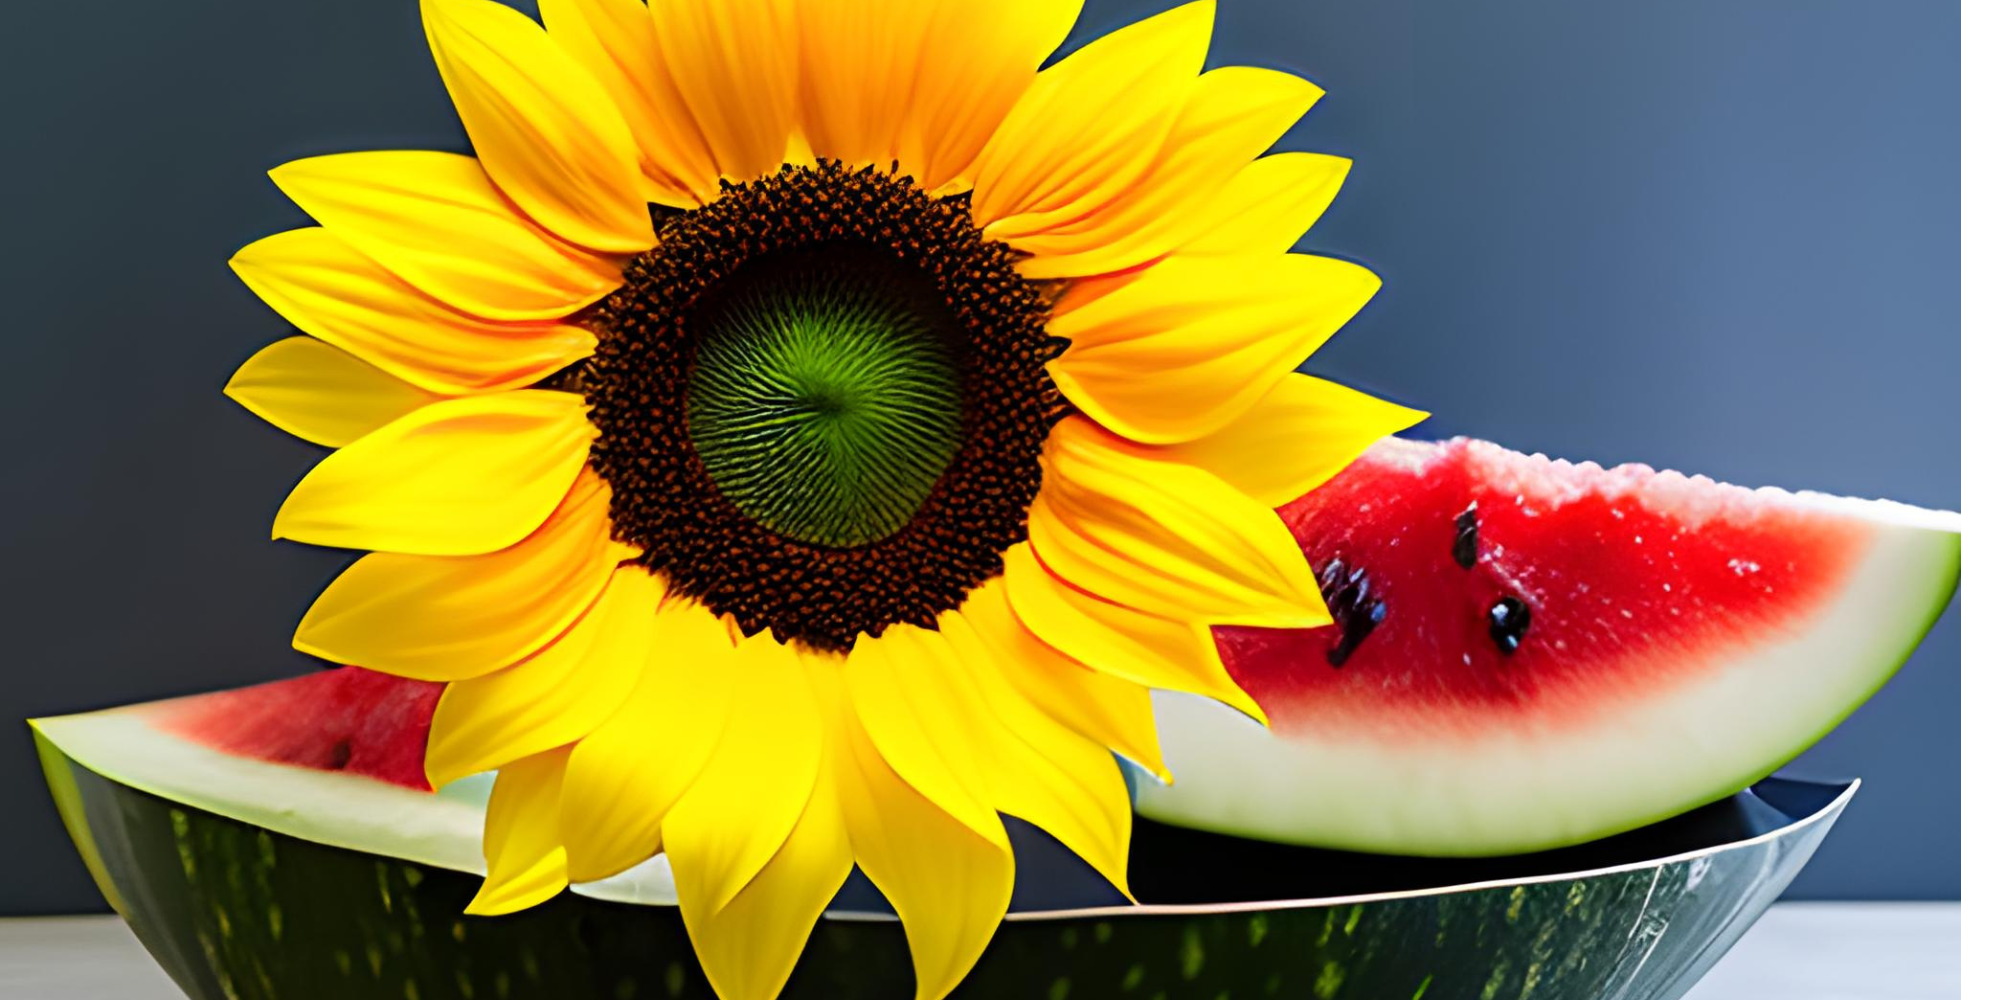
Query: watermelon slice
x,y
332,758
287,756
1529,653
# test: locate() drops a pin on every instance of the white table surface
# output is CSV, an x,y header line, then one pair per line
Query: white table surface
x,y
1799,951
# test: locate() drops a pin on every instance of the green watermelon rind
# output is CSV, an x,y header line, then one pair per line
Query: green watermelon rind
x,y
61,778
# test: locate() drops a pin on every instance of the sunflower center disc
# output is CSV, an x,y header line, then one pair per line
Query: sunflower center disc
x,y
821,403
824,395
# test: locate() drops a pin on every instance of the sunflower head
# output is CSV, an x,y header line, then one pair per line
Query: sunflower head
x,y
805,431
856,393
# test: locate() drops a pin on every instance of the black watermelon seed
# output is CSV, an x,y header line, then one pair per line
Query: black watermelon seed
x,y
1507,623
1350,599
1465,544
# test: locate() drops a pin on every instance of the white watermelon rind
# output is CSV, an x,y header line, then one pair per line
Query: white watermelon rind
x,y
121,744
1530,792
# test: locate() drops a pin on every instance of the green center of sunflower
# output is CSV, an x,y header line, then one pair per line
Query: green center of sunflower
x,y
821,403
824,395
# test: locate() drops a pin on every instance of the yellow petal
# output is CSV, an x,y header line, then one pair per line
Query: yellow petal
x,y
1194,342
1268,206
1171,654
949,884
554,697
924,83
861,62
627,773
1111,711
736,65
458,477
1167,539
1295,438
1039,769
447,618
1234,114
334,292
977,61
524,858
1077,293
549,135
319,392
924,720
749,947
613,40
717,836
435,220
1088,127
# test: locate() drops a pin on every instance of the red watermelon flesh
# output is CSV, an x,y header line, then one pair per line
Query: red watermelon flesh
x,y
1528,653
1634,582
351,720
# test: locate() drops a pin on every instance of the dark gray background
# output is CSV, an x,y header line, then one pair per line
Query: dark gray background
x,y
1718,236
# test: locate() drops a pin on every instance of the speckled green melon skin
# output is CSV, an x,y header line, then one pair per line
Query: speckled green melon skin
x,y
236,912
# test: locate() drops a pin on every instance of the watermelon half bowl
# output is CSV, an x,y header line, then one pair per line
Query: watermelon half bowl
x,y
350,887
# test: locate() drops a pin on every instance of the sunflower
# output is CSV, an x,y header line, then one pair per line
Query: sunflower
x,y
805,431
